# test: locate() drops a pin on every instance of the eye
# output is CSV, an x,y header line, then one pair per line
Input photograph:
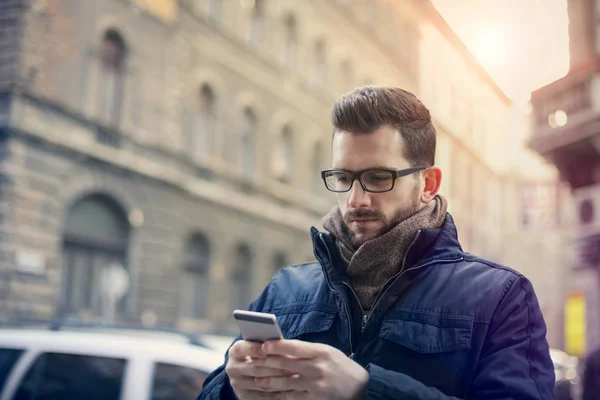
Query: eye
x,y
379,177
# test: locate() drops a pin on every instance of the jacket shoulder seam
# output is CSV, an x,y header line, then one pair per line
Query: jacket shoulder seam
x,y
493,265
529,349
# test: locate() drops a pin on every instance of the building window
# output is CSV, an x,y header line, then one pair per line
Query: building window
x,y
410,52
257,21
283,159
346,75
453,101
290,37
469,110
456,169
73,376
317,185
586,212
248,141
96,237
241,278
113,55
203,123
319,63
215,9
280,260
196,276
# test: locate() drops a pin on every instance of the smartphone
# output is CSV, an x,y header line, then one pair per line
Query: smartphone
x,y
257,326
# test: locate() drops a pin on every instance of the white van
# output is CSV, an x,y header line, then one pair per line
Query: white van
x,y
38,364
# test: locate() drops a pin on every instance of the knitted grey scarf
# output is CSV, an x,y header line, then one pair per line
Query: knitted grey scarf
x,y
371,265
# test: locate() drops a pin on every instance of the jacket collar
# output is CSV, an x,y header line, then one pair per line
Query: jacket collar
x,y
429,246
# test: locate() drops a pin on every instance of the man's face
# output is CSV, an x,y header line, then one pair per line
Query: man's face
x,y
368,215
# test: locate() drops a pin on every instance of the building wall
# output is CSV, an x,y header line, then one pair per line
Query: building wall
x,y
487,166
61,147
172,182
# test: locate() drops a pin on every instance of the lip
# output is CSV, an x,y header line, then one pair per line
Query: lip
x,y
362,221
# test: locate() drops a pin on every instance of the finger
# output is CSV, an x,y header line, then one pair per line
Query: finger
x,y
302,366
295,382
242,349
243,383
246,383
248,368
295,348
296,395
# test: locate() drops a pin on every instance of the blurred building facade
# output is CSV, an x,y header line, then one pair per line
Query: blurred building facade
x,y
184,139
566,132
506,200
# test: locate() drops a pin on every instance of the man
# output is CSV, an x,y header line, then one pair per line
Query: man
x,y
591,377
393,309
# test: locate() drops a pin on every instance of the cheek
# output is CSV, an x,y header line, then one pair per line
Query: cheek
x,y
405,192
342,201
389,203
386,203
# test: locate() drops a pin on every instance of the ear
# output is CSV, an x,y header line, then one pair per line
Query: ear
x,y
433,180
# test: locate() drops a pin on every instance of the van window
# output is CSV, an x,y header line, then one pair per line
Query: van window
x,y
176,382
57,376
8,358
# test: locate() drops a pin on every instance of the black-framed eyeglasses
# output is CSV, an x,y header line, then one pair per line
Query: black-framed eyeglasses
x,y
375,180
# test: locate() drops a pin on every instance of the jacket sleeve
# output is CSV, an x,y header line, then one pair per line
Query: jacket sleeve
x,y
216,385
591,377
515,363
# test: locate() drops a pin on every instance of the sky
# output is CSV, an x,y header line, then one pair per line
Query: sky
x,y
523,44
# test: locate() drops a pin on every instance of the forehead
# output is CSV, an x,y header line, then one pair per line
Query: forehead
x,y
383,147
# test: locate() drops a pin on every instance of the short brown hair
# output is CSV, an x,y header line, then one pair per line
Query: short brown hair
x,y
368,108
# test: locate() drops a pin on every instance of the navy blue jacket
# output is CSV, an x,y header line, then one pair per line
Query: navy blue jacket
x,y
449,326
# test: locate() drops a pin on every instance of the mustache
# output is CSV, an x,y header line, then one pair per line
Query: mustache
x,y
362,213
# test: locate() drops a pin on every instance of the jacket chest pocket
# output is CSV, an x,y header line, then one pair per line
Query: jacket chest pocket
x,y
315,326
432,349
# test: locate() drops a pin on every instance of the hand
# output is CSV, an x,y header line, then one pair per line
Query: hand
x,y
242,373
319,371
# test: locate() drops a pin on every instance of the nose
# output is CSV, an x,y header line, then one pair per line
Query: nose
x,y
358,197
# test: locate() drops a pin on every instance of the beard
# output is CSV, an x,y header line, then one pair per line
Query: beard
x,y
400,215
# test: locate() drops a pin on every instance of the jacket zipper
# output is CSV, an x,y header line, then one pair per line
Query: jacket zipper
x,y
366,316
393,278
341,298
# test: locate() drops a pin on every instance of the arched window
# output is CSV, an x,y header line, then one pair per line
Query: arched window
x,y
317,164
290,41
96,236
241,278
113,57
204,122
248,141
283,159
196,278
319,63
257,21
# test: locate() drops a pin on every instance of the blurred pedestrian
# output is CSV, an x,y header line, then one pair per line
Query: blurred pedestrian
x,y
591,377
393,309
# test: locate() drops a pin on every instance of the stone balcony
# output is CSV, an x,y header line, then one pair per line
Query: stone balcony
x,y
567,111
